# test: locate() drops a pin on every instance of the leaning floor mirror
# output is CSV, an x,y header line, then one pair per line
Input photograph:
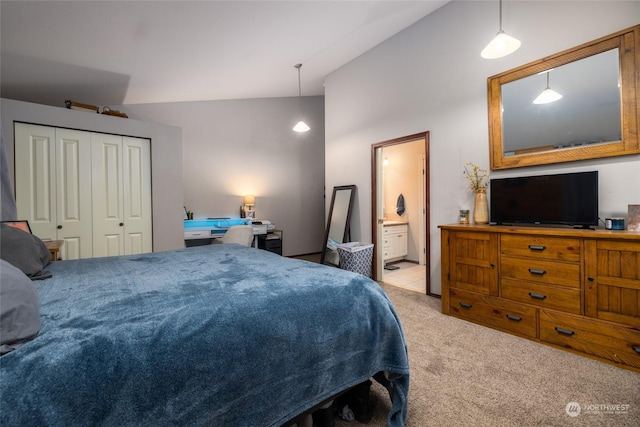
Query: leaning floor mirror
x,y
337,230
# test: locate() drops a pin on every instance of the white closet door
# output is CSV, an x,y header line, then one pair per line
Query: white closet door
x,y
108,220
36,178
53,185
73,190
121,168
137,195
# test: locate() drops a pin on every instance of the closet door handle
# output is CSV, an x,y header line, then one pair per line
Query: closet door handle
x,y
538,272
537,247
59,227
537,296
564,331
121,224
465,305
514,317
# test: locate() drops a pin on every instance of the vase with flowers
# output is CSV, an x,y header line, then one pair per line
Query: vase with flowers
x,y
478,180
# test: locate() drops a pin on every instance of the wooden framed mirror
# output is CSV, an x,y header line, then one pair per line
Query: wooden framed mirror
x,y
597,115
338,223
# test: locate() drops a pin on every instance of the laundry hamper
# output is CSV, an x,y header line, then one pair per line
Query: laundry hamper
x,y
356,257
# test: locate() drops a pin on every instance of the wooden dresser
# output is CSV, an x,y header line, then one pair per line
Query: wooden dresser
x,y
578,290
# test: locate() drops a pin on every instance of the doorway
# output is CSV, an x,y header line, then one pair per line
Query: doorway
x,y
400,211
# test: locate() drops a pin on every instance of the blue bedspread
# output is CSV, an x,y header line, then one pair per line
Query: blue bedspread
x,y
219,335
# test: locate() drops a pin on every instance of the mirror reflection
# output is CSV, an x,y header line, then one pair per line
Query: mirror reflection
x,y
337,231
587,113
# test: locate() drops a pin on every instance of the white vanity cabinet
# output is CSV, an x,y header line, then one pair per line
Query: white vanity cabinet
x,y
394,241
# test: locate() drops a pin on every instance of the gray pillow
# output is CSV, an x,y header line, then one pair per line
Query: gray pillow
x,y
25,251
19,308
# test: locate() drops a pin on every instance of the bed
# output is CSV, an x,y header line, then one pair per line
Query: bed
x,y
220,335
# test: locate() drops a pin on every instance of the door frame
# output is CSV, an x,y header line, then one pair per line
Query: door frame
x,y
374,200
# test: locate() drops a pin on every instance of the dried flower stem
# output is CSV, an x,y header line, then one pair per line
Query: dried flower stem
x,y
478,178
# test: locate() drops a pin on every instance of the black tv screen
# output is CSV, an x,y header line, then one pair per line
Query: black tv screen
x,y
563,199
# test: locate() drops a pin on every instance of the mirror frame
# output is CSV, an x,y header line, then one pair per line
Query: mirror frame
x,y
628,44
347,231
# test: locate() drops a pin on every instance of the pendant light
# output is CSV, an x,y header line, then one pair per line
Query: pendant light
x,y
301,126
548,95
501,45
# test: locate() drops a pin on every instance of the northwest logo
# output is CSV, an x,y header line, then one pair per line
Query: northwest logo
x,y
573,409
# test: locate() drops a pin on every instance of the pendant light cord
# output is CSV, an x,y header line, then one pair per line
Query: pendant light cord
x,y
301,126
299,86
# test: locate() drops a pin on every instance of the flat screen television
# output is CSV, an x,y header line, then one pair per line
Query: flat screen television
x,y
569,199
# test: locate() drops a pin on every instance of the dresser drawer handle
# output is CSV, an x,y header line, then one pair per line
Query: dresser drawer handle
x,y
636,348
514,318
564,331
465,305
537,247
537,296
538,272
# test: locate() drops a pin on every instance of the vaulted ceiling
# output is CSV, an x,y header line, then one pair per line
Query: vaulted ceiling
x,y
133,52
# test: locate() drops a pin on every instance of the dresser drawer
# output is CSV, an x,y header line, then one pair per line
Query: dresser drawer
x,y
555,297
493,312
197,234
541,247
391,229
608,340
542,271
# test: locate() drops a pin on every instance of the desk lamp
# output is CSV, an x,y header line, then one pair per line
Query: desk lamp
x,y
247,208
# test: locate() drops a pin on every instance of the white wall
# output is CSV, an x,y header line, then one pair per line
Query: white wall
x,y
166,154
430,77
237,147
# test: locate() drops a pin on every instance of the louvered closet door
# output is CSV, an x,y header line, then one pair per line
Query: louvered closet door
x,y
53,185
121,168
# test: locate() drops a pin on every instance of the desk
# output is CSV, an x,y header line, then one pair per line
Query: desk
x,y
54,247
205,231
209,228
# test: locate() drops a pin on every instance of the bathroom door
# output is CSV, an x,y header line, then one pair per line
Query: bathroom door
x,y
417,219
379,214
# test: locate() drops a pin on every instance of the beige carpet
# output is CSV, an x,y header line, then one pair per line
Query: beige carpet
x,y
468,375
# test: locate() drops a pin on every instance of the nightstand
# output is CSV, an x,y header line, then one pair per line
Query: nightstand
x,y
54,247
